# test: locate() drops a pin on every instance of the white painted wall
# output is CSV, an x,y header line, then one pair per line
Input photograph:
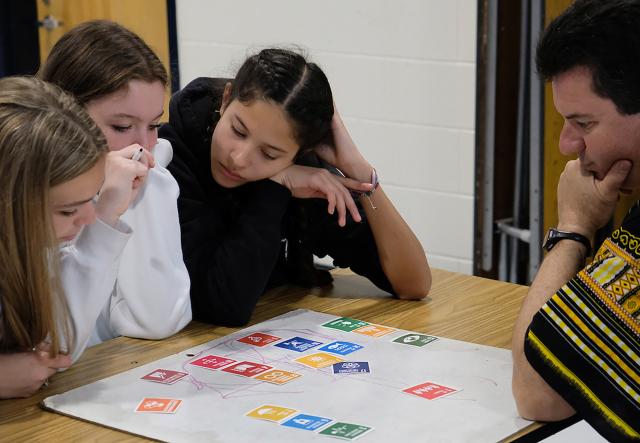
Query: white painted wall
x,y
403,76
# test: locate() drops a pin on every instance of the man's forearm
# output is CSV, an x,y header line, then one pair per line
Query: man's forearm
x,y
535,399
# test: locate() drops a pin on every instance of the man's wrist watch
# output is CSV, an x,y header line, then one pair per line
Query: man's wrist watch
x,y
554,236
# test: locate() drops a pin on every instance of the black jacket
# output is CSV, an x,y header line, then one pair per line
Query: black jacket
x,y
232,239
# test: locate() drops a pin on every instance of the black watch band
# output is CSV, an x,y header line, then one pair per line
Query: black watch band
x,y
554,236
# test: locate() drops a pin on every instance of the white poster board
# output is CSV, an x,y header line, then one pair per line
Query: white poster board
x,y
214,403
581,431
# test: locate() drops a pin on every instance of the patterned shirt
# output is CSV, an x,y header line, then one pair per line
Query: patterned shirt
x,y
585,341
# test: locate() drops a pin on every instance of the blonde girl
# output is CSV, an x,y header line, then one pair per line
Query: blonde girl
x,y
52,160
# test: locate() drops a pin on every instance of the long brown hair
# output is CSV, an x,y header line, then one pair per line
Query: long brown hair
x,y
100,57
46,139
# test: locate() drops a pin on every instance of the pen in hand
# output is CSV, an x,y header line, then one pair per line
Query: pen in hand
x,y
137,155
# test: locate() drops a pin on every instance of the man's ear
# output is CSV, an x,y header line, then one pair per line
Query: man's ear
x,y
226,97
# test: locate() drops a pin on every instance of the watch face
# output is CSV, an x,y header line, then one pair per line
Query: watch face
x,y
550,239
553,236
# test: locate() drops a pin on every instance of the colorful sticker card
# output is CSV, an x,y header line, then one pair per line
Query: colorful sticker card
x,y
271,413
306,422
430,390
415,339
278,376
319,360
247,368
159,405
345,324
374,330
259,339
164,376
212,362
341,347
351,367
298,344
347,431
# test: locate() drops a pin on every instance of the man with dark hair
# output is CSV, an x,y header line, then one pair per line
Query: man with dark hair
x,y
576,343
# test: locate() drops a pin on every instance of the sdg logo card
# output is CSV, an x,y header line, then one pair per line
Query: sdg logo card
x,y
415,339
298,344
212,362
374,330
319,360
345,324
430,390
247,368
340,347
306,422
278,376
351,367
258,339
164,376
159,405
271,413
348,431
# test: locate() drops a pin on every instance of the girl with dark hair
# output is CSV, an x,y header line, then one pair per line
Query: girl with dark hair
x,y
242,150
121,83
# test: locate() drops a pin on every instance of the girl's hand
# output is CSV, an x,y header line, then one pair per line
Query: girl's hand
x,y
23,373
345,155
307,182
123,179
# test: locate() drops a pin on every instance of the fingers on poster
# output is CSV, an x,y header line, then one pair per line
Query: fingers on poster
x,y
292,418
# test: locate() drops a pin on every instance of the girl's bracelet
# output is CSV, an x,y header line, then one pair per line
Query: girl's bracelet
x,y
374,185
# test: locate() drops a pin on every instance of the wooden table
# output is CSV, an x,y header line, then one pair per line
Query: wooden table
x,y
460,307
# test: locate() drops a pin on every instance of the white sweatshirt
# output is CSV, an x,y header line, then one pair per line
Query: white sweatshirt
x,y
130,280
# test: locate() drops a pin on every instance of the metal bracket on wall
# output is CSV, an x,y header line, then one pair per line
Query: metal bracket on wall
x,y
50,22
509,234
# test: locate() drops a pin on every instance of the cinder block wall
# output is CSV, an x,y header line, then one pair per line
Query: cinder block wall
x,y
403,75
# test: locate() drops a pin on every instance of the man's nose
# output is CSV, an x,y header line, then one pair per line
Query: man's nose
x,y
571,141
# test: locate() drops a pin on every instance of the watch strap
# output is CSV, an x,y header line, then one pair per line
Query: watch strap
x,y
554,236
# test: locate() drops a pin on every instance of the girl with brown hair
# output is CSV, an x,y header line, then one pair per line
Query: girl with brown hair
x,y
52,159
121,83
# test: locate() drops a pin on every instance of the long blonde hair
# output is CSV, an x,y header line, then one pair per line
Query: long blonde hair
x,y
46,139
